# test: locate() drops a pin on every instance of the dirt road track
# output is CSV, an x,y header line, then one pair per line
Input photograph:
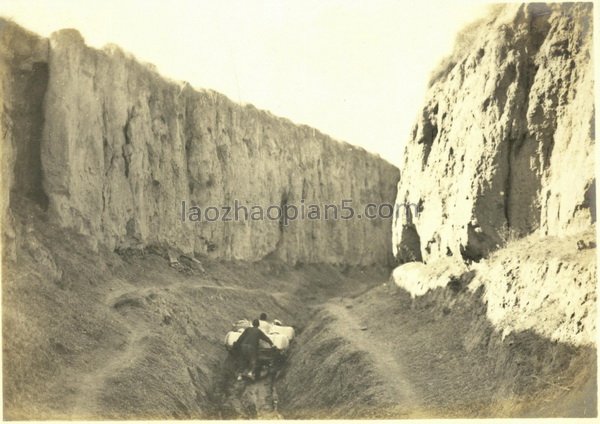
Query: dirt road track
x,y
127,336
382,354
386,366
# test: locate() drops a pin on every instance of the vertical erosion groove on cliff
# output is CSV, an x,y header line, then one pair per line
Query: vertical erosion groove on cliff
x,y
504,144
23,83
121,147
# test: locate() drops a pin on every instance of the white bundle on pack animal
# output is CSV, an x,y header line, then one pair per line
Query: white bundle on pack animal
x,y
280,341
283,330
231,337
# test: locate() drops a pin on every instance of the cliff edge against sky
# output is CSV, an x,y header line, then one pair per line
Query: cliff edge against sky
x,y
504,145
112,149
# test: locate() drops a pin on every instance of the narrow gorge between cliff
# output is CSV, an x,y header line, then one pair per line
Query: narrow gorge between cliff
x,y
479,301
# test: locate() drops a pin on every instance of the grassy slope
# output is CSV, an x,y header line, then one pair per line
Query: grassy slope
x,y
509,337
102,335
105,335
446,361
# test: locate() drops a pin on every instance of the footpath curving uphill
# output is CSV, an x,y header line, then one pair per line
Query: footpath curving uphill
x,y
129,336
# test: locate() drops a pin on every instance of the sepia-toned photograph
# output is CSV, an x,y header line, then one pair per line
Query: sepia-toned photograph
x,y
294,210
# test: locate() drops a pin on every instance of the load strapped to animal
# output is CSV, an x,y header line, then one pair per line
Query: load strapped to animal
x,y
269,358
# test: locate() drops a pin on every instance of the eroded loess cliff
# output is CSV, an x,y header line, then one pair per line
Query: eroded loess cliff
x,y
504,146
501,169
111,149
23,82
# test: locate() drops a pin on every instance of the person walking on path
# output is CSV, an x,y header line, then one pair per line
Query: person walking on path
x,y
248,345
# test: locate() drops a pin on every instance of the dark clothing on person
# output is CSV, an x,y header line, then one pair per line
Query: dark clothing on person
x,y
249,357
248,343
251,336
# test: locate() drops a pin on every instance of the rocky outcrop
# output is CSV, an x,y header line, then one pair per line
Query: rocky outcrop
x,y
23,82
500,171
121,148
547,285
504,145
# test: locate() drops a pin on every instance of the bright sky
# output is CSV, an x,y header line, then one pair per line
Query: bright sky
x,y
354,69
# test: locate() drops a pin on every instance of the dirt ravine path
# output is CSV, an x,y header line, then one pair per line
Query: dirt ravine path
x,y
86,403
127,336
258,396
383,354
413,360
391,372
